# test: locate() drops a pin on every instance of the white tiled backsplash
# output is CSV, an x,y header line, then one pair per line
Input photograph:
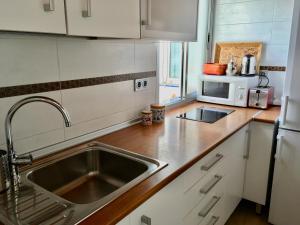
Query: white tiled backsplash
x,y
30,59
268,21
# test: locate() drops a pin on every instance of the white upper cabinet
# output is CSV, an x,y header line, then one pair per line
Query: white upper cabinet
x,y
104,18
44,16
169,19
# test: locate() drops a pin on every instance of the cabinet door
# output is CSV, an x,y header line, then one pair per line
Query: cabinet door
x,y
258,162
104,18
125,221
45,16
236,170
163,208
169,19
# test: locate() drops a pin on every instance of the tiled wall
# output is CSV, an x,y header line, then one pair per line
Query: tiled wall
x,y
258,20
31,59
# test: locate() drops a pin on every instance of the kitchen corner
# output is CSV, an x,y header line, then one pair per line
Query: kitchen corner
x,y
166,112
181,143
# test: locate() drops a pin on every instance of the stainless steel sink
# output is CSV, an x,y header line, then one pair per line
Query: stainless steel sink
x,y
98,174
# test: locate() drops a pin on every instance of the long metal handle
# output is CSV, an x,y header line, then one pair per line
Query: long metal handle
x,y
247,152
207,187
148,21
23,160
145,220
210,205
50,6
279,146
214,161
284,109
213,220
88,11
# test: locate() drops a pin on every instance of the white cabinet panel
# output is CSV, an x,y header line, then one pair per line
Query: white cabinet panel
x,y
163,208
125,221
258,162
169,19
104,18
32,16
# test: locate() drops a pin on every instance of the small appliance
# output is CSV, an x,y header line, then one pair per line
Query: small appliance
x,y
261,97
205,114
248,65
226,90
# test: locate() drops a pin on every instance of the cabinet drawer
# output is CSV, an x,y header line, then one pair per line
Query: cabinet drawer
x,y
206,206
216,216
203,167
207,184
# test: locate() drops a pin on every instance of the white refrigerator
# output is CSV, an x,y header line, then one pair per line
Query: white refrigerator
x,y
285,197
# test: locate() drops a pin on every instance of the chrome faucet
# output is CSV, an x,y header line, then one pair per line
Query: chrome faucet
x,y
13,160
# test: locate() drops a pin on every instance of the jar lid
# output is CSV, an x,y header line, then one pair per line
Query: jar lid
x,y
156,106
147,112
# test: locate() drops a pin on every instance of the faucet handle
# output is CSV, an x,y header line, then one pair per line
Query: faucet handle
x,y
23,160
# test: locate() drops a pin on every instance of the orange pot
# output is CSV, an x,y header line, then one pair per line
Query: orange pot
x,y
214,69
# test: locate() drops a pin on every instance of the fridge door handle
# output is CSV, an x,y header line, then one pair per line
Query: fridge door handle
x,y
284,109
279,146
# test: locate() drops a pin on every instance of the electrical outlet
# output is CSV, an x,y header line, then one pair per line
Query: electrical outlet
x,y
141,84
145,83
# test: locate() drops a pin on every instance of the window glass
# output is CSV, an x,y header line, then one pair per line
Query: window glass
x,y
215,89
170,71
175,60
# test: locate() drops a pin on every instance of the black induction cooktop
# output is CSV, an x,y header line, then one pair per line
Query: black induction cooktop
x,y
205,114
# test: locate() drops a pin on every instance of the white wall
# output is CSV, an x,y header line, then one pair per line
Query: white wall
x,y
258,20
30,59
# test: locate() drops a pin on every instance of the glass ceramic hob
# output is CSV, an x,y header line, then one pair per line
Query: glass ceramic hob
x,y
205,114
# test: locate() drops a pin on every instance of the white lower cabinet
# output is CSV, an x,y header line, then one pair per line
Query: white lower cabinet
x,y
163,208
125,221
206,194
258,162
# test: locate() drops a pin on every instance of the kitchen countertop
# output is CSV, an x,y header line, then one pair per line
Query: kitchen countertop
x,y
268,116
180,143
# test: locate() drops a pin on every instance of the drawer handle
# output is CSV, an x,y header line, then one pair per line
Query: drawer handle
x,y
145,220
210,205
213,162
50,6
213,220
247,152
207,187
88,11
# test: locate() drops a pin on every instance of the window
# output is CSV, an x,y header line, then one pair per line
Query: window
x,y
180,63
171,71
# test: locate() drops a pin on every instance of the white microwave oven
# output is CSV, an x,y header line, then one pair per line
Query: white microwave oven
x,y
227,90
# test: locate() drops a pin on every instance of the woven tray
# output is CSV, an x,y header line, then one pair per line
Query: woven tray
x,y
237,50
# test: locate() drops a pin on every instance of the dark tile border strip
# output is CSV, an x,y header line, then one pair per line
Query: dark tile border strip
x,y
68,84
274,68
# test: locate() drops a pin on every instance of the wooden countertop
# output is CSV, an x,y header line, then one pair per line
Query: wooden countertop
x,y
180,143
268,116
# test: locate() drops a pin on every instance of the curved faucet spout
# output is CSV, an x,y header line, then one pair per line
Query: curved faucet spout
x,y
12,158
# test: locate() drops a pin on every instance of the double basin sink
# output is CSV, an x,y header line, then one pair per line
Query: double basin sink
x,y
94,176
